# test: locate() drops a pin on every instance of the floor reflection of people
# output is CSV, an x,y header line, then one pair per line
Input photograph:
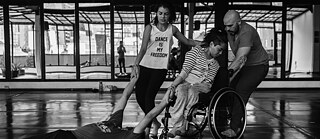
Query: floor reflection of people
x,y
9,109
314,117
111,128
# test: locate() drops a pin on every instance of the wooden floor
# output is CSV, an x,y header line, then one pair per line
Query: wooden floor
x,y
271,114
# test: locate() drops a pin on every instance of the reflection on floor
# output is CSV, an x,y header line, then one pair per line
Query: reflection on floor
x,y
274,72
69,72
104,72
272,114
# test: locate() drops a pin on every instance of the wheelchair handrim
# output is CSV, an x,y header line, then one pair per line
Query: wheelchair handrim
x,y
214,100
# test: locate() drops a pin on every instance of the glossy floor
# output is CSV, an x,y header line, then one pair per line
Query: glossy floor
x,y
104,72
271,114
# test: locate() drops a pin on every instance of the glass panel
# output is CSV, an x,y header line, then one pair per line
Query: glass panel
x,y
22,46
59,42
276,3
288,52
2,62
95,41
279,39
266,32
59,6
128,29
279,26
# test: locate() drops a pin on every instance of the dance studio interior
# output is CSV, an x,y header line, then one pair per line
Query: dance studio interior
x,y
60,69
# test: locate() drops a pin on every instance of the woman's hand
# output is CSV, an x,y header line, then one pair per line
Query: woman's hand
x,y
135,71
169,96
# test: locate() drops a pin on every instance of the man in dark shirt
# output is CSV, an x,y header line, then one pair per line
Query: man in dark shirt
x,y
111,128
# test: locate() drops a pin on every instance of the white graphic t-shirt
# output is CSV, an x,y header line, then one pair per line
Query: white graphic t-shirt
x,y
158,49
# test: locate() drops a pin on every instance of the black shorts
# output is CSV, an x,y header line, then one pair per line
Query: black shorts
x,y
116,118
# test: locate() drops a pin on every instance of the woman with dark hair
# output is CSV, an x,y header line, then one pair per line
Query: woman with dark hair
x,y
151,64
197,75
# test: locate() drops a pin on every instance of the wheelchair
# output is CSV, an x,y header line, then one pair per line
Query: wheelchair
x,y
213,109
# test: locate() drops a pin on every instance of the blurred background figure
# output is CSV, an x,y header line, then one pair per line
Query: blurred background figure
x,y
121,50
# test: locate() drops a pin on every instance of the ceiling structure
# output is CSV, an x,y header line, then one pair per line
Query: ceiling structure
x,y
99,13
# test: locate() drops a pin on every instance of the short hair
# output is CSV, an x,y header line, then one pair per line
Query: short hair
x,y
172,12
216,35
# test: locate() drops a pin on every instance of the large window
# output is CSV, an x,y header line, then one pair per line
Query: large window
x,y
99,37
22,41
94,30
128,28
59,40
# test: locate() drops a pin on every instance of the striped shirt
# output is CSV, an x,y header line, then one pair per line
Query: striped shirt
x,y
197,68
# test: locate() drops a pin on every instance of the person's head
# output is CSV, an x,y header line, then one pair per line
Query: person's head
x,y
232,22
215,41
165,13
121,42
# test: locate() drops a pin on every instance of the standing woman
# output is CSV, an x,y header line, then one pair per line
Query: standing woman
x,y
151,63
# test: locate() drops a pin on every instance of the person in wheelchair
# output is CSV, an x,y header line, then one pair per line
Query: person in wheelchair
x,y
197,75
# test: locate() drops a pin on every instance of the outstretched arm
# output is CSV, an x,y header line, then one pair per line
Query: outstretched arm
x,y
154,112
142,52
125,95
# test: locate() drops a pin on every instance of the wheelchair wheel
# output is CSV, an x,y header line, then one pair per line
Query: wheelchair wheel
x,y
224,105
197,120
